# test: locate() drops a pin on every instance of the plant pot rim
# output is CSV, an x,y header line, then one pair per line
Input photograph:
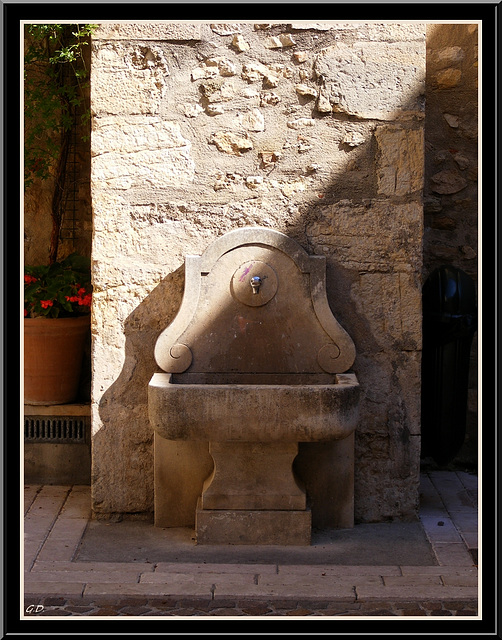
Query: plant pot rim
x,y
83,317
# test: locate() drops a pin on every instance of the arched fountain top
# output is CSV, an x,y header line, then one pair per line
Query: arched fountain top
x,y
253,236
255,304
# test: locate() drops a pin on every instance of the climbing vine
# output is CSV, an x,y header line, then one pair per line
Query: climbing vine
x,y
56,79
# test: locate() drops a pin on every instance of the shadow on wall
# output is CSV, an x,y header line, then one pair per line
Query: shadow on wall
x,y
141,330
451,177
368,225
451,137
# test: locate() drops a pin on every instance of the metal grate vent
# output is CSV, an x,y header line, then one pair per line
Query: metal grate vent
x,y
60,429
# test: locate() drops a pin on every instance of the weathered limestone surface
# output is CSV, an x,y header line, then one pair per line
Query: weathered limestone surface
x,y
373,80
200,129
150,31
143,152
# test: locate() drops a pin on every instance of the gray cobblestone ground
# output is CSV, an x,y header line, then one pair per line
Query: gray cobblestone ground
x,y
188,608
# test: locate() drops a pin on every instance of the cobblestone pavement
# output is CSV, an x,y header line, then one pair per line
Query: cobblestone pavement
x,y
146,607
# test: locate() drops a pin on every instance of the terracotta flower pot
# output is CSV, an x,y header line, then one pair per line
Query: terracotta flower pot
x,y
53,353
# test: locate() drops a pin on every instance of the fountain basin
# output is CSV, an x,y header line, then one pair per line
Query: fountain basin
x,y
231,410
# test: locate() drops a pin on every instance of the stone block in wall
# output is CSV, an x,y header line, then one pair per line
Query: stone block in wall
x,y
171,31
376,32
383,378
400,160
448,78
153,169
374,236
128,79
447,182
374,80
125,457
131,134
391,305
446,56
125,91
144,151
398,486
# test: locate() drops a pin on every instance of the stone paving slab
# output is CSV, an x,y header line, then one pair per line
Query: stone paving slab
x,y
338,570
124,575
44,510
30,493
440,570
470,482
308,582
465,521
179,588
440,529
63,540
470,540
453,492
410,580
226,578
430,499
91,567
375,543
64,589
452,580
78,504
183,567
452,554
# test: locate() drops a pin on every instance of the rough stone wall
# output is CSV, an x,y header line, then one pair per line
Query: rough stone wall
x,y
313,130
451,172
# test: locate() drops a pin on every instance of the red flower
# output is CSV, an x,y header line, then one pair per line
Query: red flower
x,y
25,312
46,303
85,301
29,279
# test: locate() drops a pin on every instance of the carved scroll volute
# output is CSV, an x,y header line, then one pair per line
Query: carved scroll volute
x,y
181,356
327,357
179,359
332,360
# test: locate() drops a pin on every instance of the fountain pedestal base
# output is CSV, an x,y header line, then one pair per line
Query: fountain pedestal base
x,y
252,496
241,526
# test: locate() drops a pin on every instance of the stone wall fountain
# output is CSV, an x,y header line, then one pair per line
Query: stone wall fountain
x,y
253,364
312,129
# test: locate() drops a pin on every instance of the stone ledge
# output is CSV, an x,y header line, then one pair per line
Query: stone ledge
x,y
77,409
